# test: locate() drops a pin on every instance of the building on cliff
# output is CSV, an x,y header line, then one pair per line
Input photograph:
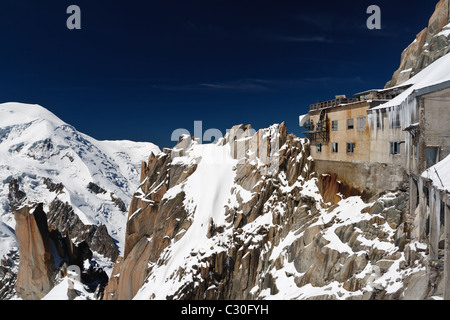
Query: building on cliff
x,y
379,138
382,155
343,140
382,139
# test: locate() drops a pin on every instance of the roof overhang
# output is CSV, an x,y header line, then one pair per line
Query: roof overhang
x,y
433,88
303,119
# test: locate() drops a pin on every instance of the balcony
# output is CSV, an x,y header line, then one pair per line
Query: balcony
x,y
332,103
319,131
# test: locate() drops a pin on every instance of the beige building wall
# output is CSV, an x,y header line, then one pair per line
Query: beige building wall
x,y
370,166
374,163
343,135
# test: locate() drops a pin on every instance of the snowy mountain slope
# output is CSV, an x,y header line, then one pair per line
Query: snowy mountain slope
x,y
35,144
207,192
216,227
7,239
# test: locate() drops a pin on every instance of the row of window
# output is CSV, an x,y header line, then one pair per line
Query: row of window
x,y
360,124
335,147
394,147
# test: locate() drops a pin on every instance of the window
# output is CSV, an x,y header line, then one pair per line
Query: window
x,y
379,123
350,147
361,123
395,148
395,122
431,155
334,147
334,125
319,147
350,124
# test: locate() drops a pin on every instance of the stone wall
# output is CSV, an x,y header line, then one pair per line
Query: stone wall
x,y
370,178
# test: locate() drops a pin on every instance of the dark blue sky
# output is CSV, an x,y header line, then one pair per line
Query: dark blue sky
x,y
140,69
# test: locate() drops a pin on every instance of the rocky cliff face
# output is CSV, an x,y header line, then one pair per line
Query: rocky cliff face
x,y
430,44
46,253
48,243
200,227
35,277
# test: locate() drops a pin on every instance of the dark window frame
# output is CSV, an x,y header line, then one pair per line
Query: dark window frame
x,y
350,147
319,147
334,147
395,148
334,125
350,123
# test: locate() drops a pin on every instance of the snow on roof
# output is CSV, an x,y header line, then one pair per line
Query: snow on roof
x,y
439,174
367,91
435,73
302,119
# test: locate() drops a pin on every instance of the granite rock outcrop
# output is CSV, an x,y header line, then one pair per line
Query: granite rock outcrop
x,y
429,45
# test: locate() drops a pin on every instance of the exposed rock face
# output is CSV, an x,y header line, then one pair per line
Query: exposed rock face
x,y
36,269
153,218
155,221
62,217
46,248
333,190
15,196
277,236
430,44
45,254
8,275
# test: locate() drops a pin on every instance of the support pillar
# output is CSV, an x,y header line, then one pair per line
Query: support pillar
x,y
412,207
422,211
434,226
447,248
412,196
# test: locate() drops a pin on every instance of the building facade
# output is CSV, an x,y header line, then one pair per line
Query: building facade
x,y
388,139
342,141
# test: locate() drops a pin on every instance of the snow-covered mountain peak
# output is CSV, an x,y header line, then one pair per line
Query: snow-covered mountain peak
x,y
52,160
14,113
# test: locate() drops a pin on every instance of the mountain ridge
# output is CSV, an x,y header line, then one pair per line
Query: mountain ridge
x,y
272,237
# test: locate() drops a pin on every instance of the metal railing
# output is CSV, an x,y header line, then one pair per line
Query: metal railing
x,y
331,103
